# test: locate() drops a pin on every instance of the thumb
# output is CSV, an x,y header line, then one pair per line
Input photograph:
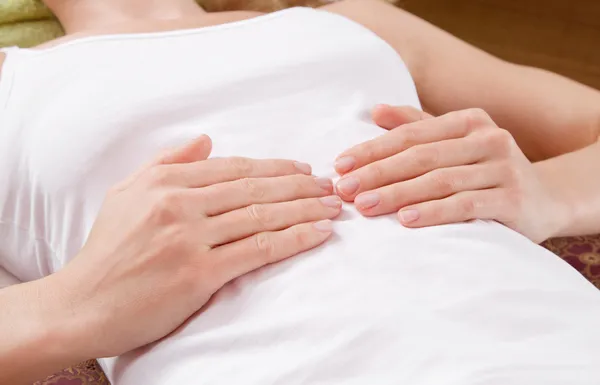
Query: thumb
x,y
390,117
197,150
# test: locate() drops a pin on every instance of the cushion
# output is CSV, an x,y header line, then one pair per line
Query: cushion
x,y
26,23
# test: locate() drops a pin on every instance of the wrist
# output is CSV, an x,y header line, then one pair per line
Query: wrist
x,y
67,326
561,209
58,329
33,331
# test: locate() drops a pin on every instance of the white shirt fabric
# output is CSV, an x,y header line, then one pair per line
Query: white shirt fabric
x,y
463,304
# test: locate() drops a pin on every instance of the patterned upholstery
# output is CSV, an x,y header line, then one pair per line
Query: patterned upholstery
x,y
86,373
583,253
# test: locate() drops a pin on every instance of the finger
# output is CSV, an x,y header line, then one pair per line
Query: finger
x,y
241,257
242,223
409,164
390,117
220,170
464,206
225,197
450,126
197,150
434,185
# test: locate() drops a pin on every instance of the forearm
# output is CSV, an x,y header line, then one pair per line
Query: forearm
x,y
573,181
547,114
36,338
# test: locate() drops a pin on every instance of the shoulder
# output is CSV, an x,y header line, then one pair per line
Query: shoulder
x,y
2,56
400,29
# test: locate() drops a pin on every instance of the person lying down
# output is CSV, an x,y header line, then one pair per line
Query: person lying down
x,y
428,273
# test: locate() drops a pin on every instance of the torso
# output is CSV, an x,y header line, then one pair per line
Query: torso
x,y
2,56
465,304
206,20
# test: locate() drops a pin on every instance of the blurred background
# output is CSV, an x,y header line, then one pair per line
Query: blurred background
x,y
560,35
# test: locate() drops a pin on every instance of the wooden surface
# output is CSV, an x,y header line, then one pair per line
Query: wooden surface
x,y
559,35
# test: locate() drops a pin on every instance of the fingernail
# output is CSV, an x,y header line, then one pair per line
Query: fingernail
x,y
366,201
325,183
345,164
332,201
408,216
303,167
324,226
348,186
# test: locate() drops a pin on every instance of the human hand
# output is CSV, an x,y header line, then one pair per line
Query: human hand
x,y
452,168
174,233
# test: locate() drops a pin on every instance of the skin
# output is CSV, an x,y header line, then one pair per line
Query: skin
x,y
161,246
454,168
543,156
153,263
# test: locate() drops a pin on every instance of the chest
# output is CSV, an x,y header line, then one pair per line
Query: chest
x,y
277,87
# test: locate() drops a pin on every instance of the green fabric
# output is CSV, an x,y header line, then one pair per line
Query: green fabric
x,y
22,10
26,23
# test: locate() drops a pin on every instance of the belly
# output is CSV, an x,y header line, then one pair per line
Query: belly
x,y
463,304
471,303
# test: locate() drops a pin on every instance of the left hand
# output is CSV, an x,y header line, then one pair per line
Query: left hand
x,y
453,168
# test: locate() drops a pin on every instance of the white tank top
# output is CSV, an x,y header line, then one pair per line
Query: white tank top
x,y
462,304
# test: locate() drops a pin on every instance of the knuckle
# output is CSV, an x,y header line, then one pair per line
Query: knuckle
x,y
371,150
514,197
301,183
157,176
426,157
176,239
468,207
241,166
433,212
265,246
376,171
166,208
444,183
301,238
309,207
512,174
436,212
377,148
474,118
500,141
406,136
260,215
251,188
205,276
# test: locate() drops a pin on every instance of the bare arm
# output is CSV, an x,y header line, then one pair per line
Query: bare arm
x,y
547,114
34,328
573,179
2,57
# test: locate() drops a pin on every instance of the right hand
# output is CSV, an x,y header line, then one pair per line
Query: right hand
x,y
174,233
